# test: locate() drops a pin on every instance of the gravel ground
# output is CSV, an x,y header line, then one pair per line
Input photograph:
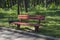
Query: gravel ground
x,y
11,35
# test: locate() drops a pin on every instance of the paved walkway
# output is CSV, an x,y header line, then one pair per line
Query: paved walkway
x,y
11,35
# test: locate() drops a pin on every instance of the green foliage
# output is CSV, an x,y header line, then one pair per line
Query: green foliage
x,y
15,7
40,7
58,6
52,6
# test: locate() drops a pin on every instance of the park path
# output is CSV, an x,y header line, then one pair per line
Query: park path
x,y
11,35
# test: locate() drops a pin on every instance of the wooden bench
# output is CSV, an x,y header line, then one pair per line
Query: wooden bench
x,y
28,17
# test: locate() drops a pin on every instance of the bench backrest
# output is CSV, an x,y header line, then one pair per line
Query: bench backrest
x,y
35,17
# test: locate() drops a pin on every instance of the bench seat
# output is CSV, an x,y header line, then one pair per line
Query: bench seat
x,y
24,23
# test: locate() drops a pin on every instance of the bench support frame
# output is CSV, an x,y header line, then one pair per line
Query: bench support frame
x,y
18,26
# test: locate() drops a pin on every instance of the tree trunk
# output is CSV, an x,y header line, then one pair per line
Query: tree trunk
x,y
26,5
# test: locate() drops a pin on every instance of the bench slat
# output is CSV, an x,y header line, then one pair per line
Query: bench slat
x,y
23,16
37,17
26,24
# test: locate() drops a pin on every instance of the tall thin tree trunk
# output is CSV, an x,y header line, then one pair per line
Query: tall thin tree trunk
x,y
4,3
10,3
45,2
26,5
18,7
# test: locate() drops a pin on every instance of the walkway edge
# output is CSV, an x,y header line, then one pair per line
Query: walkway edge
x,y
29,33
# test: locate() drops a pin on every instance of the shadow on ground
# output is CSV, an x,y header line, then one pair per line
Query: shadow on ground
x,y
10,34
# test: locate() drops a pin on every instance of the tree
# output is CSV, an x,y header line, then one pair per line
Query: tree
x,y
26,5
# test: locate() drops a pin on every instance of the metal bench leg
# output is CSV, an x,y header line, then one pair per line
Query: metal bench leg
x,y
18,26
36,28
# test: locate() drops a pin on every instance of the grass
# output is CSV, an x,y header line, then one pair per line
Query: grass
x,y
50,26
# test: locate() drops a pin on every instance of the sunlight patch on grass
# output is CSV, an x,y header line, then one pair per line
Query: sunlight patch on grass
x,y
54,17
